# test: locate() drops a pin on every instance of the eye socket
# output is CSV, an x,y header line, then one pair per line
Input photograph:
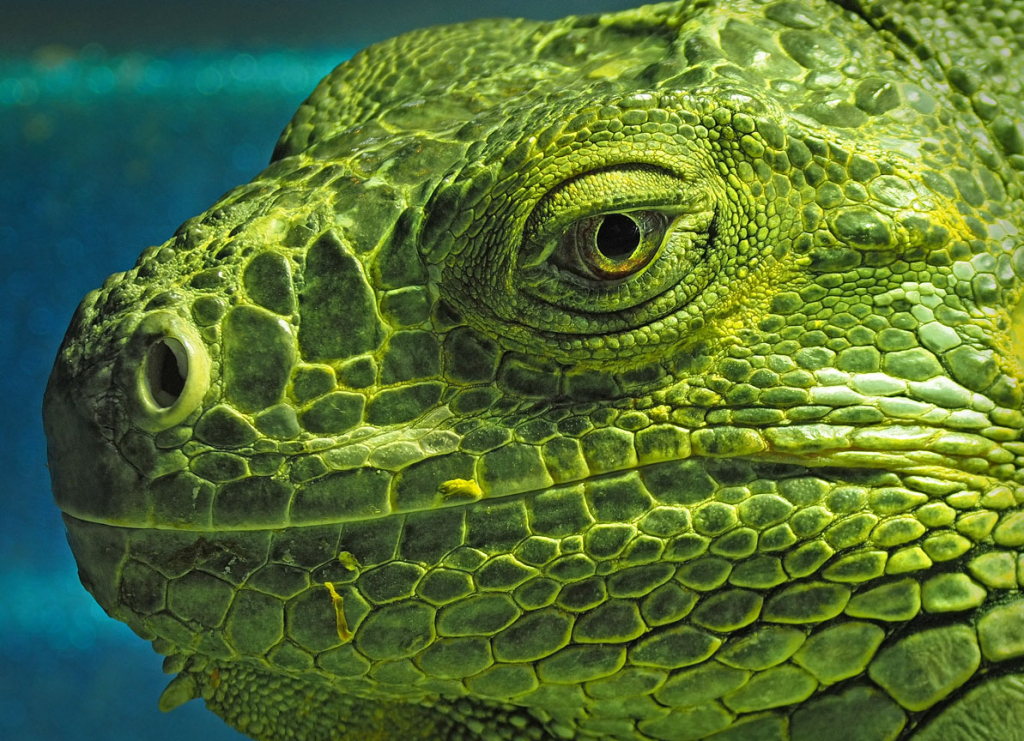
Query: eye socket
x,y
614,245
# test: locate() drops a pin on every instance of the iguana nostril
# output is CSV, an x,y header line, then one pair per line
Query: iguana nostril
x,y
167,368
166,371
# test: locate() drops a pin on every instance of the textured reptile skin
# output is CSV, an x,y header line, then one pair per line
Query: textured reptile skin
x,y
654,375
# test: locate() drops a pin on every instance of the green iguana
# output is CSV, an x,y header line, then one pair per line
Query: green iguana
x,y
653,375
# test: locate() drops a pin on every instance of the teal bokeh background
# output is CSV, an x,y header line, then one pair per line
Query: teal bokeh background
x,y
117,122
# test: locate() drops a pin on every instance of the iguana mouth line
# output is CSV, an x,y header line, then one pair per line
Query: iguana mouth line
x,y
919,462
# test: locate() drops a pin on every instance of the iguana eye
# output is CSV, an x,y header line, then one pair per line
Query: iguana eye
x,y
615,245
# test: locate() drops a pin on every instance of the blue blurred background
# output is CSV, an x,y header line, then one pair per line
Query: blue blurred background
x,y
117,122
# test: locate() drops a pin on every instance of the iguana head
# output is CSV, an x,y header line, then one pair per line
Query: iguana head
x,y
532,337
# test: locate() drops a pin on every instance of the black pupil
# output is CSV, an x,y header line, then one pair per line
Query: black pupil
x,y
618,236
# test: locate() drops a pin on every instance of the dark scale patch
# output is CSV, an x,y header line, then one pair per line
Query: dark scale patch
x,y
403,403
397,676
465,558
636,581
258,354
728,610
396,631
289,658
410,355
478,615
615,621
503,573
736,544
730,472
406,306
278,421
572,567
142,589
582,595
430,535
280,580
560,511
667,604
704,574
537,593
419,486
644,549
372,542
441,586
662,443
456,657
182,499
334,413
536,550
743,43
311,620
563,457
671,648
390,582
481,438
212,279
609,449
268,281
523,377
223,427
208,310
218,466
513,468
255,622
576,664
608,541
684,482
232,556
473,400
358,373
590,385
372,209
396,266
339,313
311,381
343,661
503,681
497,527
342,496
628,682
258,500
200,597
305,547
533,636
620,498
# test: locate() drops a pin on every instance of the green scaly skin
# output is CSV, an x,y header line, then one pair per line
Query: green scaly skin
x,y
404,440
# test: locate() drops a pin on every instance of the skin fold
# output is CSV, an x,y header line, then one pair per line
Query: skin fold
x,y
654,375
